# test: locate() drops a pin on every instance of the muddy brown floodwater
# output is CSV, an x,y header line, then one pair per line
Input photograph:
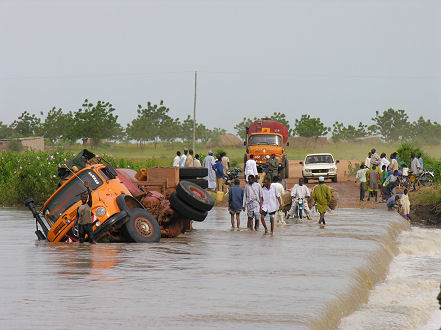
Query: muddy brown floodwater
x,y
303,277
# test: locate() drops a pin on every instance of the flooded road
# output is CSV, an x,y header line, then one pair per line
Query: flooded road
x,y
302,277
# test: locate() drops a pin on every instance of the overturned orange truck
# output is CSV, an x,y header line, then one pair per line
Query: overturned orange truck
x,y
128,206
265,137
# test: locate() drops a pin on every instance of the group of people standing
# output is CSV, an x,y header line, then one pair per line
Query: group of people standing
x,y
186,159
217,167
262,201
379,173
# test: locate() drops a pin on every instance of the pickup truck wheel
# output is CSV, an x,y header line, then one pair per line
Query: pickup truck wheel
x,y
142,227
195,196
334,179
305,180
186,210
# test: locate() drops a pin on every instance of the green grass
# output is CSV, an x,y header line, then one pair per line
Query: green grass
x,y
166,152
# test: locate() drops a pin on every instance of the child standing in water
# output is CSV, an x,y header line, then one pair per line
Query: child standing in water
x,y
405,204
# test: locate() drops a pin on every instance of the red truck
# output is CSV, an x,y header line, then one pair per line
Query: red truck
x,y
265,137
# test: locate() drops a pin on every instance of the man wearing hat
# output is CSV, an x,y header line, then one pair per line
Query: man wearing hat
x,y
322,196
84,215
208,163
273,167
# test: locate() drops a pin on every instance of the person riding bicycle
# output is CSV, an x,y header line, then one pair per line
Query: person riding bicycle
x,y
299,191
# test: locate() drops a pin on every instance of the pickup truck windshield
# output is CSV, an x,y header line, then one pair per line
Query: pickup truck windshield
x,y
69,195
264,139
317,159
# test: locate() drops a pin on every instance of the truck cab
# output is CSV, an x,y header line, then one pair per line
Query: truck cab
x,y
266,137
118,215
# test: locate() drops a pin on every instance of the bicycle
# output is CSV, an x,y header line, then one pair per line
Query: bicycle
x,y
423,179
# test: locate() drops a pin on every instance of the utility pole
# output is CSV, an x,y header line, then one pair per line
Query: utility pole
x,y
194,111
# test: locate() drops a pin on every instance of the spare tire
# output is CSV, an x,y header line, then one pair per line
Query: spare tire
x,y
186,210
203,183
195,196
142,227
192,172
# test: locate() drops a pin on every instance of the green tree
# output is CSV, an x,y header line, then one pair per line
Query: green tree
x,y
26,125
5,131
152,124
425,131
339,131
392,125
96,122
241,127
58,125
308,126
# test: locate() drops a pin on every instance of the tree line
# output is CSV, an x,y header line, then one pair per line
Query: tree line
x,y
391,125
153,123
98,121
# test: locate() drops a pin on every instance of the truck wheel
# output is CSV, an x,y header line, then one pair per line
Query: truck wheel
x,y
195,196
334,179
192,172
305,180
142,227
186,210
286,169
203,183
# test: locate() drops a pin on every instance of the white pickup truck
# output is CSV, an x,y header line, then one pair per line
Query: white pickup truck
x,y
316,165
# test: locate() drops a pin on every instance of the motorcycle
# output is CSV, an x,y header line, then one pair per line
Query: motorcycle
x,y
231,175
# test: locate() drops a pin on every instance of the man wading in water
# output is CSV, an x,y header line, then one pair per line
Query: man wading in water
x,y
84,216
270,203
322,196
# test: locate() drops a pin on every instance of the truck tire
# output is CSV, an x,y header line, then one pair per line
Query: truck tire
x,y
142,227
203,183
195,196
305,180
192,172
334,179
186,210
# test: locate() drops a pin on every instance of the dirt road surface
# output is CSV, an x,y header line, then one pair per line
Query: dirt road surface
x,y
348,190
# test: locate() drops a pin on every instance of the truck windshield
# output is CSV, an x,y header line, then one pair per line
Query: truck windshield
x,y
316,159
265,139
69,195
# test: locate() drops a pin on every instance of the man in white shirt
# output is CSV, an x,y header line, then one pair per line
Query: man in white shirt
x,y
367,161
384,161
280,216
361,177
251,200
177,159
269,197
300,191
250,168
183,158
208,163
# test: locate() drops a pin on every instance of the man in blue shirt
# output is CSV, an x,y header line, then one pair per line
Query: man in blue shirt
x,y
219,170
235,202
392,201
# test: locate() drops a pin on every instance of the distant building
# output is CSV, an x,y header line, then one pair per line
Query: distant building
x,y
35,143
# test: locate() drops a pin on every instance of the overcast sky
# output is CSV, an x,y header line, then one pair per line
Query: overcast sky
x,y
338,60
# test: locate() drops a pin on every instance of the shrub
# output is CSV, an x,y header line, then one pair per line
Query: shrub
x,y
15,145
